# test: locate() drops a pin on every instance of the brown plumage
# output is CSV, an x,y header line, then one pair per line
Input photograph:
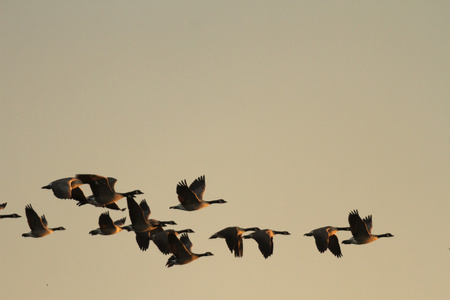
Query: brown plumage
x,y
233,238
264,238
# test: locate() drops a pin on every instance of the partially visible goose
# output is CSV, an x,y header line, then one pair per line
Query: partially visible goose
x,y
139,222
264,238
2,206
107,226
161,239
191,197
67,188
146,211
233,237
103,191
362,230
37,225
326,239
181,250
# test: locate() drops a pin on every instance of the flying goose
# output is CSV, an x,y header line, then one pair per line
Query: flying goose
x,y
161,239
67,188
140,224
362,230
103,191
191,198
264,238
233,237
146,211
181,250
2,206
37,225
326,239
107,226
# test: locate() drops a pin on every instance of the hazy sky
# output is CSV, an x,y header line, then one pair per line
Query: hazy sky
x,y
297,112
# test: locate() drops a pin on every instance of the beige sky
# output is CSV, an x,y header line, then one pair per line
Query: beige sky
x,y
297,112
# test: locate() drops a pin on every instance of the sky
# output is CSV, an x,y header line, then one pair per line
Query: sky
x,y
297,112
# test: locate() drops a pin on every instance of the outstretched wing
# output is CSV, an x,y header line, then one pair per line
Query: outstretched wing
x,y
120,222
321,238
198,186
368,221
185,194
357,225
145,209
105,221
333,245
176,246
100,185
34,221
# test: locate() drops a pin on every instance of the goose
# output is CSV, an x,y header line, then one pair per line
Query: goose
x,y
362,230
181,250
326,239
103,191
161,239
233,237
191,198
146,211
264,238
37,225
139,222
107,226
67,188
2,206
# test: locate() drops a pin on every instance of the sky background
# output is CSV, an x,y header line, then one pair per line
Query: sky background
x,y
297,112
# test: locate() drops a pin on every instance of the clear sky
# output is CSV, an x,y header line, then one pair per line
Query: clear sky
x,y
297,112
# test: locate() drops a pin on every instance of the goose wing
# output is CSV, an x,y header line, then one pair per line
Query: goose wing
x,y
265,242
143,240
120,222
44,221
34,221
145,209
368,221
161,241
114,206
186,241
357,225
78,194
333,245
321,238
135,211
185,194
105,221
176,246
2,206
100,185
198,186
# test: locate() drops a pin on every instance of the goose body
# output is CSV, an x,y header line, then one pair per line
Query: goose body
x,y
233,238
2,206
191,197
362,230
161,239
107,226
67,188
264,238
104,194
326,238
181,250
38,225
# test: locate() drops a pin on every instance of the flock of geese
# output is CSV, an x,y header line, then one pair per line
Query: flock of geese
x,y
177,242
